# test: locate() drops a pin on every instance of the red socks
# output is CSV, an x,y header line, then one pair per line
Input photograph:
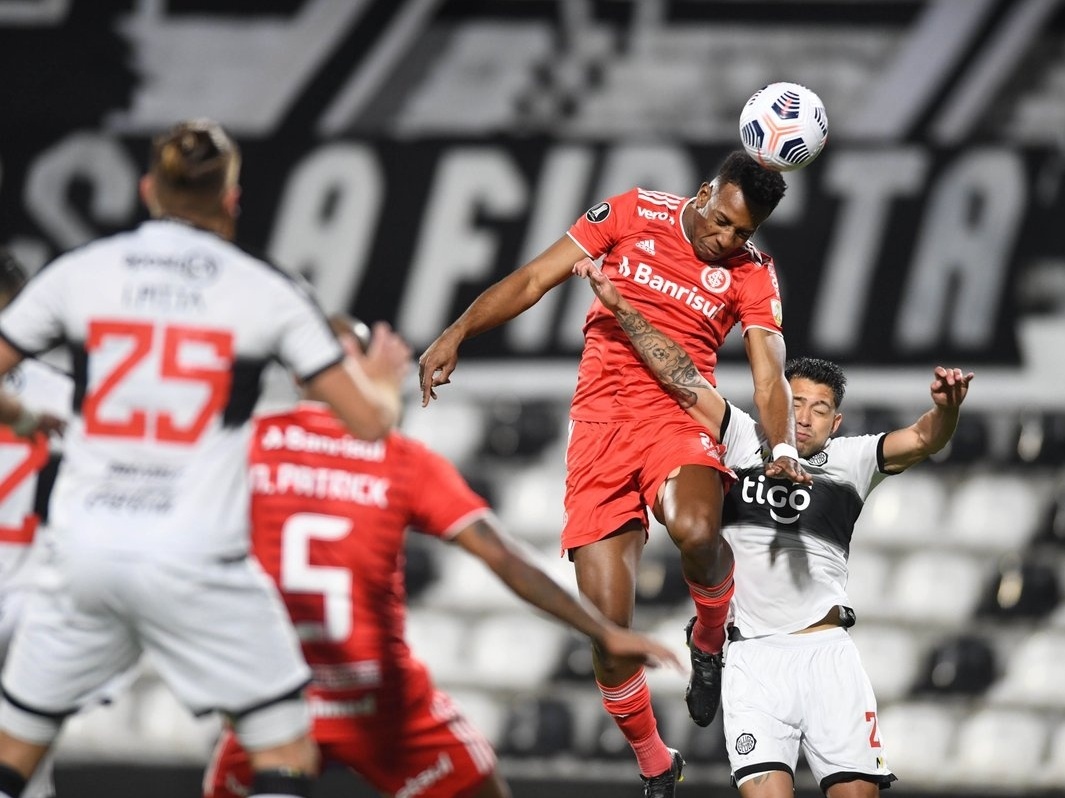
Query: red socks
x,y
711,612
630,705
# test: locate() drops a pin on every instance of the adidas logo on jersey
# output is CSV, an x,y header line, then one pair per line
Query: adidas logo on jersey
x,y
647,245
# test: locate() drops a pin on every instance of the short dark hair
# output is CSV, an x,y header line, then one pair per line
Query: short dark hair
x,y
12,274
760,186
823,372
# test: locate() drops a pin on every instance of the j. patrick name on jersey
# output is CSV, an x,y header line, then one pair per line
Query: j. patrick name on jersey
x,y
315,482
689,295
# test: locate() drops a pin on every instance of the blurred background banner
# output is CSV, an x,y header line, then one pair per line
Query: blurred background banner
x,y
404,155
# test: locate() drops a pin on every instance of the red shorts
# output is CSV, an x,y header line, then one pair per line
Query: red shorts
x,y
427,743
615,468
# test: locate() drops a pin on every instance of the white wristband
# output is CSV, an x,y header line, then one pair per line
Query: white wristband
x,y
785,450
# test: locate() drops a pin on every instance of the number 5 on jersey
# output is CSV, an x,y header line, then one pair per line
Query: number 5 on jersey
x,y
174,354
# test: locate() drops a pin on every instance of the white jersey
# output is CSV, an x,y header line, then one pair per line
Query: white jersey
x,y
792,542
169,329
43,389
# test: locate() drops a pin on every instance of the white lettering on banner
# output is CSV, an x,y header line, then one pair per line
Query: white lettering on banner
x,y
962,257
319,483
560,197
867,183
452,246
89,158
690,296
327,220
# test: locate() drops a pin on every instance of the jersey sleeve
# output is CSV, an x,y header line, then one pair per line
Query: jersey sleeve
x,y
308,345
596,231
32,323
865,453
444,504
759,302
743,444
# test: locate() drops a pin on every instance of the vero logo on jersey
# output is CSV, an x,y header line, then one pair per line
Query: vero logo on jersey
x,y
689,295
660,216
785,500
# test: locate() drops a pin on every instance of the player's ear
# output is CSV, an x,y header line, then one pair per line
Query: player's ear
x,y
836,422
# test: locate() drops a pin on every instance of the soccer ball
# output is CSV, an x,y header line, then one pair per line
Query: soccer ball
x,y
784,126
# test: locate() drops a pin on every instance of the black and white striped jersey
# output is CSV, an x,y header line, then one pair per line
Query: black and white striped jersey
x,y
791,542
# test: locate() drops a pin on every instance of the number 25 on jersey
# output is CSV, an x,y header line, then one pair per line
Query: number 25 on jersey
x,y
174,355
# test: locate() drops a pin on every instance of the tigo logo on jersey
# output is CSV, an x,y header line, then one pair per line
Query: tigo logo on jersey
x,y
715,279
785,500
647,245
598,213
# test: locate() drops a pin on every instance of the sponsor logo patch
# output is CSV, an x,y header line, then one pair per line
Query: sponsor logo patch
x,y
778,312
818,459
598,213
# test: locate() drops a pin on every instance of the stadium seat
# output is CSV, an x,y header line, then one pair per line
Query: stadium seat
x,y
904,511
483,709
1039,439
575,661
660,579
439,638
530,502
1021,589
1053,772
521,428
537,727
420,567
514,651
961,665
891,657
918,738
1033,674
936,587
970,444
1051,529
994,512
454,428
999,749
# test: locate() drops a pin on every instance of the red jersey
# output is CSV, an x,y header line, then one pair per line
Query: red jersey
x,y
650,259
329,516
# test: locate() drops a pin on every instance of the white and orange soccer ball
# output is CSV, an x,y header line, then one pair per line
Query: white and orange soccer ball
x,y
784,126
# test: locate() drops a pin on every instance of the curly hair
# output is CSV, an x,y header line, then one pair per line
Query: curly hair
x,y
760,186
823,372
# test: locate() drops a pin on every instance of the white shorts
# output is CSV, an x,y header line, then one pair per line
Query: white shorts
x,y
216,632
783,691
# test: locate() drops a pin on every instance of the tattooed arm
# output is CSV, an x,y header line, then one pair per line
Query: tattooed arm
x,y
667,360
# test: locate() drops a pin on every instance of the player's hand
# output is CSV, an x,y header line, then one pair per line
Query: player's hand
x,y
626,644
437,362
30,424
602,285
389,357
788,468
950,386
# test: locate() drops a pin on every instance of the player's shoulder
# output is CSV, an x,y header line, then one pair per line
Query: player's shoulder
x,y
848,452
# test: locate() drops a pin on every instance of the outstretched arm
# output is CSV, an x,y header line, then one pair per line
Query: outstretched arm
x,y
500,302
667,360
772,397
933,430
531,583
